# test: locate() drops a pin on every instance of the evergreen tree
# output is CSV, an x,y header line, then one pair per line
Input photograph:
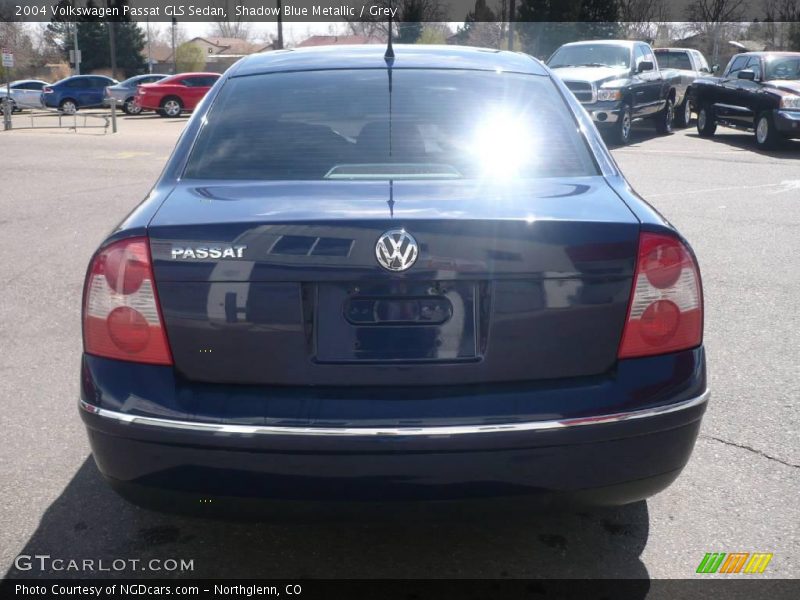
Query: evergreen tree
x,y
93,40
544,25
479,14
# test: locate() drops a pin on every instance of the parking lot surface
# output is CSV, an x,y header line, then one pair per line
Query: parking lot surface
x,y
60,194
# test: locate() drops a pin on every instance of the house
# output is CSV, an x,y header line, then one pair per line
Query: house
x,y
338,40
220,53
218,46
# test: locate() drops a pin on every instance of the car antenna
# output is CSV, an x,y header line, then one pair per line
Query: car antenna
x,y
390,201
389,55
389,58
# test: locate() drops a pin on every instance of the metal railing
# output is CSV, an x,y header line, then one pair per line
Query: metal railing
x,y
47,118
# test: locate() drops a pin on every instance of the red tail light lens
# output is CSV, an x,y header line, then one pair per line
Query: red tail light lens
x,y
666,307
121,315
47,90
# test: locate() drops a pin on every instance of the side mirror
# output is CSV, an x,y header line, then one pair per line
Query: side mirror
x,y
748,74
645,65
714,68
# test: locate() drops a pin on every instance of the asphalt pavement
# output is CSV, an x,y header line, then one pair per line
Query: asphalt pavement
x,y
62,191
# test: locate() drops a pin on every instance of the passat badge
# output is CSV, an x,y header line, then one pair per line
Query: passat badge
x,y
179,252
396,250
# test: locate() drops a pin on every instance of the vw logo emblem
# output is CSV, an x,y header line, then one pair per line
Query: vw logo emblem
x,y
396,250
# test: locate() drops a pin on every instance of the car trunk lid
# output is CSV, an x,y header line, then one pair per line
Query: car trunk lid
x,y
278,282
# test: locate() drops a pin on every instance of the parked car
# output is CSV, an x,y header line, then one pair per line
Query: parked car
x,y
619,82
124,92
78,91
758,91
173,95
25,93
689,64
430,285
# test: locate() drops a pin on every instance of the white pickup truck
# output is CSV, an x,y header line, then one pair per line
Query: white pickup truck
x,y
688,64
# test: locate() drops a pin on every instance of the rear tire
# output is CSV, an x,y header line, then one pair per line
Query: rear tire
x,y
129,107
665,118
706,122
68,106
622,129
683,116
767,136
171,107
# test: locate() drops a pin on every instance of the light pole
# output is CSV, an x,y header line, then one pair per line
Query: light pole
x,y
174,54
149,56
280,26
75,50
511,16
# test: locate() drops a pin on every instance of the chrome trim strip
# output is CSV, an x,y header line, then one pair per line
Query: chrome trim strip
x,y
445,430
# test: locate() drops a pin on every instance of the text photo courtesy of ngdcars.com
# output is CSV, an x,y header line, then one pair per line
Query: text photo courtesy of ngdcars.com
x,y
419,302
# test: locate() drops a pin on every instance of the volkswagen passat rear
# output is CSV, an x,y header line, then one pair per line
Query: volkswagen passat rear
x,y
391,278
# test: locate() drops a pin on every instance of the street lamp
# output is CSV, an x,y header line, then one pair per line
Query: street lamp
x,y
174,54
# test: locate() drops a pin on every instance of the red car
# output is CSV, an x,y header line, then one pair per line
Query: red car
x,y
173,95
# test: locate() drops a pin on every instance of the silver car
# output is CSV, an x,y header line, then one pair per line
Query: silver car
x,y
124,92
25,93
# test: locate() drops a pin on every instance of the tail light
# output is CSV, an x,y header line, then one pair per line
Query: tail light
x,y
666,307
47,90
121,314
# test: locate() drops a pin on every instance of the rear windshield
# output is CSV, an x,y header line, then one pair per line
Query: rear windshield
x,y
346,124
673,60
783,67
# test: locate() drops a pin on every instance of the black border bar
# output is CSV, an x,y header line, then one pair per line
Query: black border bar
x,y
454,11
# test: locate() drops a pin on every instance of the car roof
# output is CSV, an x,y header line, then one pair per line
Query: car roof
x,y
371,56
767,53
83,76
606,42
194,74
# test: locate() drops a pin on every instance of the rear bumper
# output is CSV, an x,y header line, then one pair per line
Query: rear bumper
x,y
621,462
610,457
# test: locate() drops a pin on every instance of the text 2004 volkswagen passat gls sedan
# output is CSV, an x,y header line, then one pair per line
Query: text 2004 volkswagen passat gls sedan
x,y
410,277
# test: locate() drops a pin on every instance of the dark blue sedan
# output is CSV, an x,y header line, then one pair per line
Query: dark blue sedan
x,y
78,91
410,277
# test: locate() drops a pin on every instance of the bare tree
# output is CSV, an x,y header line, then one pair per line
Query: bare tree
x,y
715,11
161,34
411,14
781,15
490,34
639,17
233,26
713,18
17,37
